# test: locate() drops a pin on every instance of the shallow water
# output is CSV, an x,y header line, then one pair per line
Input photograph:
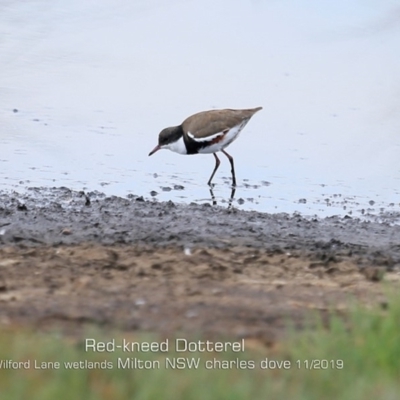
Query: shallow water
x,y
87,86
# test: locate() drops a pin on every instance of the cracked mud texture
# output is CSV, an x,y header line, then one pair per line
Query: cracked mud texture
x,y
72,259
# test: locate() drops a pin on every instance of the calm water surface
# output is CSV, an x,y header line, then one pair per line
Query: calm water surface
x,y
87,86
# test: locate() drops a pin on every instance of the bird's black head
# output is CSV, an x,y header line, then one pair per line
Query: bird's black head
x,y
168,136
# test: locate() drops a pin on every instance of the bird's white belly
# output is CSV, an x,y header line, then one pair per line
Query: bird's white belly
x,y
227,139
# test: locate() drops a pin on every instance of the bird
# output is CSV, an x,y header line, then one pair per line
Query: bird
x,y
206,132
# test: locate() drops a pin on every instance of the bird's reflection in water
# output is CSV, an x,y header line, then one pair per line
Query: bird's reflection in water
x,y
230,201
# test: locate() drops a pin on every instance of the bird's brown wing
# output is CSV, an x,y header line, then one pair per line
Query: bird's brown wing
x,y
208,123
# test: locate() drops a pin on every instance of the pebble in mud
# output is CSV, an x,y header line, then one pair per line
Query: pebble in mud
x,y
166,189
153,193
374,274
86,197
22,207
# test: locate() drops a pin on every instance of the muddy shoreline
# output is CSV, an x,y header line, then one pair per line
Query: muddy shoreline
x,y
71,258
60,216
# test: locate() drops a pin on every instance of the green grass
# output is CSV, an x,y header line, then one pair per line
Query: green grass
x,y
367,343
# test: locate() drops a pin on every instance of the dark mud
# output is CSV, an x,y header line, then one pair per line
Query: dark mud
x,y
72,258
61,216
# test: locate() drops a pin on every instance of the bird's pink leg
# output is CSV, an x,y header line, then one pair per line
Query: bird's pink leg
x,y
230,158
217,162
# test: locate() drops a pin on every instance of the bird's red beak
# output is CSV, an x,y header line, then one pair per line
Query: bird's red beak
x,y
154,150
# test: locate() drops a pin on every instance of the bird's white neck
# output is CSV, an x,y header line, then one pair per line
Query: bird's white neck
x,y
177,147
